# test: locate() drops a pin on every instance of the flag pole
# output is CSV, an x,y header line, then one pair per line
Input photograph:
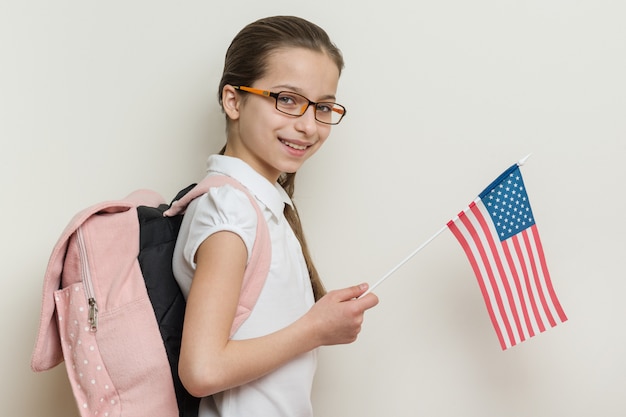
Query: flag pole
x,y
422,246
405,260
523,160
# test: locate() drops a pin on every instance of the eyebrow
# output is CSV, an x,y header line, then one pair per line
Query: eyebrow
x,y
299,91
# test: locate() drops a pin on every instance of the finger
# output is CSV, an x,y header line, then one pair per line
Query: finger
x,y
352,292
368,301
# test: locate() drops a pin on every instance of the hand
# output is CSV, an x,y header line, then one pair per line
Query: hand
x,y
338,316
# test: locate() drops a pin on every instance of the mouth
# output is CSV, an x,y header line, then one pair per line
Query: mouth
x,y
296,146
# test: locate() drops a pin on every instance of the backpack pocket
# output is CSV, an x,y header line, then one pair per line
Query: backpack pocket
x,y
120,368
91,383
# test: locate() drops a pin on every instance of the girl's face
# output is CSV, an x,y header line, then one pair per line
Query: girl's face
x,y
268,140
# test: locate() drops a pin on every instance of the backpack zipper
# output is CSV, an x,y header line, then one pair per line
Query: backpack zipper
x,y
92,315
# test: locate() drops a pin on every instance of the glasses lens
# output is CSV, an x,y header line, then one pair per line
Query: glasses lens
x,y
295,105
291,103
330,113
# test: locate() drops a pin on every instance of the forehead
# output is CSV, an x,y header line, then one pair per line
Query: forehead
x,y
306,71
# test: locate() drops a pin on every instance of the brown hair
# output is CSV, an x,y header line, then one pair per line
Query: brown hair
x,y
246,62
246,57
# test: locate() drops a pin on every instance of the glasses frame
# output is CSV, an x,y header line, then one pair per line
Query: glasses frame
x,y
336,107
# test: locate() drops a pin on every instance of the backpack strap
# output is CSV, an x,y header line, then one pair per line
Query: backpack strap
x,y
261,256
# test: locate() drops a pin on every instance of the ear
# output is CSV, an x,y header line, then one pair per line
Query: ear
x,y
230,102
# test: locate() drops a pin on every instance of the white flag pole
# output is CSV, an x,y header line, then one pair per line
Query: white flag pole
x,y
412,254
523,160
405,260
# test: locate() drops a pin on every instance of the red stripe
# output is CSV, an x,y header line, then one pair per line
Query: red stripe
x,y
546,275
479,278
502,276
490,275
529,289
533,265
520,292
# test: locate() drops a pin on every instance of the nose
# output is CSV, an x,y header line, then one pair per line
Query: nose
x,y
307,123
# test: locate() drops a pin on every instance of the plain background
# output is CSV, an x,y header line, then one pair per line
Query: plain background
x,y
98,98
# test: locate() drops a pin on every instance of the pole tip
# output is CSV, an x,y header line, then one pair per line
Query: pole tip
x,y
523,160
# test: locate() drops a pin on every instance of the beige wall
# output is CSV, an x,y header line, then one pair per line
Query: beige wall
x,y
99,98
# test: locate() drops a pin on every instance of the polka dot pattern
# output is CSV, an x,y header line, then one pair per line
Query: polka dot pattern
x,y
92,386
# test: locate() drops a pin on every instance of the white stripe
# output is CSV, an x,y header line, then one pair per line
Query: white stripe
x,y
524,292
508,276
485,277
533,285
542,280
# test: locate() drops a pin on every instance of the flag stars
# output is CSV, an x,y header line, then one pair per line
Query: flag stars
x,y
508,206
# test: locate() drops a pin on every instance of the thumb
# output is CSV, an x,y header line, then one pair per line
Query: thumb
x,y
351,293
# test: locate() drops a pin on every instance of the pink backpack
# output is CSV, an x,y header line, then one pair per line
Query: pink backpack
x,y
97,316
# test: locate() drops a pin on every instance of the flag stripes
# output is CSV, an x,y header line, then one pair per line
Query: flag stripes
x,y
512,276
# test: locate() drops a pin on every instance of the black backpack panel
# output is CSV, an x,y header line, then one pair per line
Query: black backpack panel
x,y
156,247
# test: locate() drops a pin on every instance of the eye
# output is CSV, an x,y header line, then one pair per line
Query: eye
x,y
287,100
325,107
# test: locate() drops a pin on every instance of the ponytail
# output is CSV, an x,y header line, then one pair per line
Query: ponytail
x,y
287,181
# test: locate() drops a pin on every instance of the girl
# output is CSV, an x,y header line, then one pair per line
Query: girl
x,y
278,94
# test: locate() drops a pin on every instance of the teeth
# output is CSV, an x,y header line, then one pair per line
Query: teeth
x,y
293,145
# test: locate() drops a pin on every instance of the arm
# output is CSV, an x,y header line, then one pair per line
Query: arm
x,y
210,362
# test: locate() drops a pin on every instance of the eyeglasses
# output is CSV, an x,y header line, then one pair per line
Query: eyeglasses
x,y
295,104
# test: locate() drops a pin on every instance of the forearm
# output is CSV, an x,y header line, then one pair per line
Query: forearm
x,y
207,368
207,371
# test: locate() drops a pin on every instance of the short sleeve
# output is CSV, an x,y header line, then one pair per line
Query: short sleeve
x,y
223,208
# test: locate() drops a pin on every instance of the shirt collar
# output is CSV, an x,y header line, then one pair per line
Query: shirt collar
x,y
273,196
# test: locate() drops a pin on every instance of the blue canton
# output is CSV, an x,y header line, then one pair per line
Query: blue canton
x,y
508,205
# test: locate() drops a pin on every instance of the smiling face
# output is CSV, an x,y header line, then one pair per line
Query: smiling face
x,y
272,142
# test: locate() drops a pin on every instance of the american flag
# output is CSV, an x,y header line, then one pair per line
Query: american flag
x,y
499,236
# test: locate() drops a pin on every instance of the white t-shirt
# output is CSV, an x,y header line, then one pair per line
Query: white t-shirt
x,y
285,297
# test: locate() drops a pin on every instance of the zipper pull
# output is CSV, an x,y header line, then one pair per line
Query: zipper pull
x,y
93,314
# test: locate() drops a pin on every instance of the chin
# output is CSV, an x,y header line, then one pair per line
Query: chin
x,y
292,169
289,167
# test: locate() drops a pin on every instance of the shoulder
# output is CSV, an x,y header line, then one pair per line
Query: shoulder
x,y
223,205
223,208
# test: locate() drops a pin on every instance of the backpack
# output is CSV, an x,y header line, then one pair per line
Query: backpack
x,y
113,311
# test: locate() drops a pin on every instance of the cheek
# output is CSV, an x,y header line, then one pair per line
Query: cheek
x,y
322,136
254,127
324,133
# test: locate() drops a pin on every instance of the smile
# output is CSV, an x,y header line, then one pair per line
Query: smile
x,y
294,146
